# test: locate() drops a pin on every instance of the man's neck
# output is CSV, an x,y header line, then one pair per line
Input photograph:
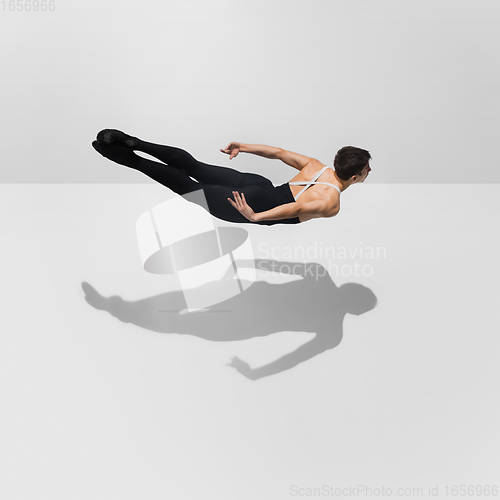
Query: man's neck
x,y
343,185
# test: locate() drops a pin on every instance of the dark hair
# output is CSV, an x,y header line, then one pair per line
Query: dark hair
x,y
350,161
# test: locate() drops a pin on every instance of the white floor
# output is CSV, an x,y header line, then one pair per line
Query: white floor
x,y
106,398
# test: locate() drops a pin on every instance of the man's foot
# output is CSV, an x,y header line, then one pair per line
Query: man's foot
x,y
117,154
117,138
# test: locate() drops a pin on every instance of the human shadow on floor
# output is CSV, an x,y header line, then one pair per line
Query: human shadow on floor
x,y
312,304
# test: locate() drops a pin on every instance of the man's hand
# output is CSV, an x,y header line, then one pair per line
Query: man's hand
x,y
242,367
233,149
242,206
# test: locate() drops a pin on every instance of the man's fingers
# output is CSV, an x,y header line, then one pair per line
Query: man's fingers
x,y
234,203
237,199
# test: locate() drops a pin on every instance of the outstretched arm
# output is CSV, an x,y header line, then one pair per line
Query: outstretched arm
x,y
295,160
234,148
303,353
261,150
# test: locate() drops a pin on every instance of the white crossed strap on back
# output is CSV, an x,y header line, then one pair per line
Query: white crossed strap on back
x,y
299,183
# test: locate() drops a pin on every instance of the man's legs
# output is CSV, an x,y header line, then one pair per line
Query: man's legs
x,y
202,172
217,182
216,196
173,178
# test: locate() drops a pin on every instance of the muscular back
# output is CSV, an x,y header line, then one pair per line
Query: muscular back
x,y
317,191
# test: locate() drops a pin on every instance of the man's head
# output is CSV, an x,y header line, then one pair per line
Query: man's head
x,y
352,164
356,299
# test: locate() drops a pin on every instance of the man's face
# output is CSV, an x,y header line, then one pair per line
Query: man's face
x,y
364,174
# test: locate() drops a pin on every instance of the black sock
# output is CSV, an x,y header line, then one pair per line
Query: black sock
x,y
118,154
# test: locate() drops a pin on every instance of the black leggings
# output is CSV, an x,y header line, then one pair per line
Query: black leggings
x,y
217,182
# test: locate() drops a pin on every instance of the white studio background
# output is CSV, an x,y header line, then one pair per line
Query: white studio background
x,y
102,407
414,82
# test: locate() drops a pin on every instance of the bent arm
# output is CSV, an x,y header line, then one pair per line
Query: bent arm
x,y
286,211
316,208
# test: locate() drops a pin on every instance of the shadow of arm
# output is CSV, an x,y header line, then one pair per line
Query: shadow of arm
x,y
303,353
